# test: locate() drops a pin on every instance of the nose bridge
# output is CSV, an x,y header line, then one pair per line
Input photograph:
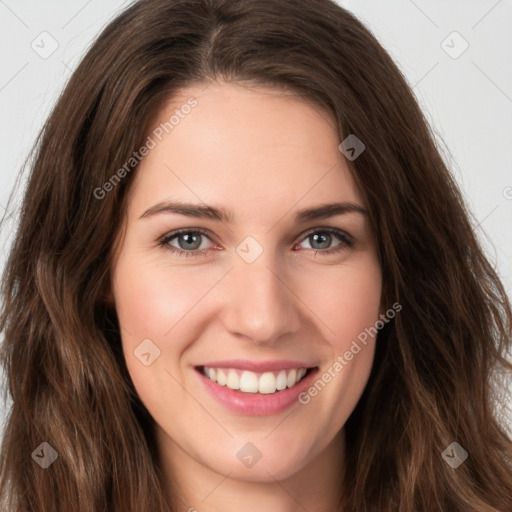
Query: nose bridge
x,y
260,306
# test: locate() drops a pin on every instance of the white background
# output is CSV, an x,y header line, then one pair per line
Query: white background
x,y
467,99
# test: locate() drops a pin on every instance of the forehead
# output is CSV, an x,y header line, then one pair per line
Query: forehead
x,y
254,148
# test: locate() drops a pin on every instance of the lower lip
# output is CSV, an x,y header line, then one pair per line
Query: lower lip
x,y
257,404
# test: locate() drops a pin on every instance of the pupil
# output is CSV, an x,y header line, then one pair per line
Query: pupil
x,y
191,239
326,238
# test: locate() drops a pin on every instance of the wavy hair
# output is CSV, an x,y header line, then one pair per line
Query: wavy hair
x,y
437,364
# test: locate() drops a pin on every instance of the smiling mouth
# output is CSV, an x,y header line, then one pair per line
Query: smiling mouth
x,y
246,381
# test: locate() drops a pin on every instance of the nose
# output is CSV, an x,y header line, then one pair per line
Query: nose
x,y
260,306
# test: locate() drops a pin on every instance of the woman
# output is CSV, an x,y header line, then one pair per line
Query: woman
x,y
172,344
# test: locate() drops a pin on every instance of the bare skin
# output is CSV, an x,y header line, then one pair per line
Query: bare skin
x,y
263,155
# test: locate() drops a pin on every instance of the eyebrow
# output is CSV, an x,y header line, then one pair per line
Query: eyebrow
x,y
321,211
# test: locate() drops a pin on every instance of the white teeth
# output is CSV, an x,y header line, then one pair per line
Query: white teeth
x,y
267,383
221,377
292,378
233,380
281,381
250,382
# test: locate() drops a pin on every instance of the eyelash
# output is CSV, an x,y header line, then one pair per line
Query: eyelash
x,y
345,241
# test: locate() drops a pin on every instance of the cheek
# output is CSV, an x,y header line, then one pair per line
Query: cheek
x,y
345,302
160,303
152,302
349,308
151,298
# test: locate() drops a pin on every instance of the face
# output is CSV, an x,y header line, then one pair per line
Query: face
x,y
235,308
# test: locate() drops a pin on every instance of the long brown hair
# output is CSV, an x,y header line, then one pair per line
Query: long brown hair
x,y
436,363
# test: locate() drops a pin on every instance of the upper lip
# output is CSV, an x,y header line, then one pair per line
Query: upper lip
x,y
259,366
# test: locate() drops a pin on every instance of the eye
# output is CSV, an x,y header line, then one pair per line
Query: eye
x,y
322,239
189,242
